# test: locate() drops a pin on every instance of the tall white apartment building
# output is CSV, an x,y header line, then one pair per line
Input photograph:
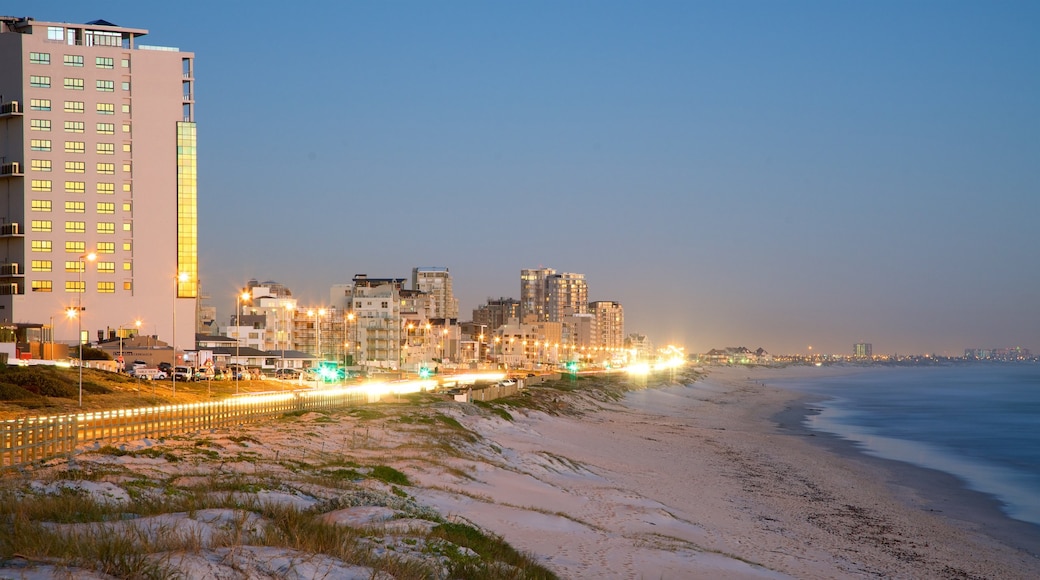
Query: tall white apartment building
x,y
565,294
437,282
610,324
97,181
533,300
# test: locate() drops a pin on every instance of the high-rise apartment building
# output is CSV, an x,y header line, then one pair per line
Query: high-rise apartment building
x,y
437,283
98,180
610,323
863,350
565,294
496,312
533,300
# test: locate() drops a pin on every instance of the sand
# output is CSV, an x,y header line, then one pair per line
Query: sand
x,y
715,479
701,481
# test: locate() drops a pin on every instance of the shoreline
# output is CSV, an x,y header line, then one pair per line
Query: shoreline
x,y
921,488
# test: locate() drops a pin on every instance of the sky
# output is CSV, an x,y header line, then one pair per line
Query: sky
x,y
766,174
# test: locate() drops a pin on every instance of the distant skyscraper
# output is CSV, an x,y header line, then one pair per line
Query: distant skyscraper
x,y
862,350
496,312
533,300
98,164
566,294
437,282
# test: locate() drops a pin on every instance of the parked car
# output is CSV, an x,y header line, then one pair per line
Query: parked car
x,y
166,367
160,376
183,373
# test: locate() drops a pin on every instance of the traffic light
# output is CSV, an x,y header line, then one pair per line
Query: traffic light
x,y
424,373
572,367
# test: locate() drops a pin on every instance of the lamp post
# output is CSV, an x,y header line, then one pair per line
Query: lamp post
x,y
239,298
81,289
181,278
353,343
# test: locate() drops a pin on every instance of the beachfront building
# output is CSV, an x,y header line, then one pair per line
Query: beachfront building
x,y
565,294
321,331
533,300
436,282
98,170
276,306
610,324
377,320
496,312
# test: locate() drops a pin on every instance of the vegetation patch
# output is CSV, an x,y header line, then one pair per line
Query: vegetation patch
x,y
365,414
389,475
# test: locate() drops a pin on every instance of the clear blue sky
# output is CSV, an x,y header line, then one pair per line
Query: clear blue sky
x,y
775,174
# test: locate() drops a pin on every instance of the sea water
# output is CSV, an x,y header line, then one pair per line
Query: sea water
x,y
980,423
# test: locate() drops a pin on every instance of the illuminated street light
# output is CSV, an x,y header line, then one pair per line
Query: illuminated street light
x,y
239,299
181,278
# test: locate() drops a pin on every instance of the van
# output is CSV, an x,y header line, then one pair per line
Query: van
x,y
183,373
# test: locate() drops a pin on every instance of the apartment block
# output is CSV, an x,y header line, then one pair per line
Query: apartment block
x,y
437,282
565,295
98,181
533,300
610,324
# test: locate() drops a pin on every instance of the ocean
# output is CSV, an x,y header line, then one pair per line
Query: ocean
x,y
979,423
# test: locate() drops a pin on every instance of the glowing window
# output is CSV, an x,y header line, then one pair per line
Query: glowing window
x,y
75,285
106,248
106,149
75,207
75,147
41,205
40,144
106,188
106,228
41,266
73,126
40,165
75,227
75,187
39,125
41,185
41,245
106,207
106,168
106,109
73,106
75,247
106,128
75,167
41,286
41,225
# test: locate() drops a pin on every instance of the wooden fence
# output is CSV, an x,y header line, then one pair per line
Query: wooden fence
x,y
38,438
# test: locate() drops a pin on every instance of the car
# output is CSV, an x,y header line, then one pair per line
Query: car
x,y
287,374
159,376
166,367
183,373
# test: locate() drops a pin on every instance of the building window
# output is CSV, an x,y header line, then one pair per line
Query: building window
x,y
126,206
75,207
74,84
40,144
106,109
127,266
41,286
75,266
106,267
73,106
106,149
75,167
41,265
127,188
73,60
39,82
128,285
106,86
104,62
106,247
106,128
106,207
41,205
126,85
126,108
40,165
75,227
128,227
126,148
127,246
41,185
40,104
75,286
39,125
41,245
75,147
75,187
106,228
39,58
75,247
126,127
106,168
106,188
55,33
125,63
127,168
41,225
73,126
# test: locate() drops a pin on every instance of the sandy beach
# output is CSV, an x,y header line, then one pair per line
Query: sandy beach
x,y
714,479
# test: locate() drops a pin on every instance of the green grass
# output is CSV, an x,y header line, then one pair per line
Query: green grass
x,y
389,475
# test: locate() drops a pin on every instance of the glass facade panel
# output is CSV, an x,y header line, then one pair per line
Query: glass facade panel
x,y
187,212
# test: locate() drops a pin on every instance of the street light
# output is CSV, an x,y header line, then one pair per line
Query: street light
x,y
353,343
81,289
239,298
181,278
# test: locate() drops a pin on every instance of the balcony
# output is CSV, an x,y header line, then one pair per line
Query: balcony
x,y
11,109
12,229
9,288
11,270
12,169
